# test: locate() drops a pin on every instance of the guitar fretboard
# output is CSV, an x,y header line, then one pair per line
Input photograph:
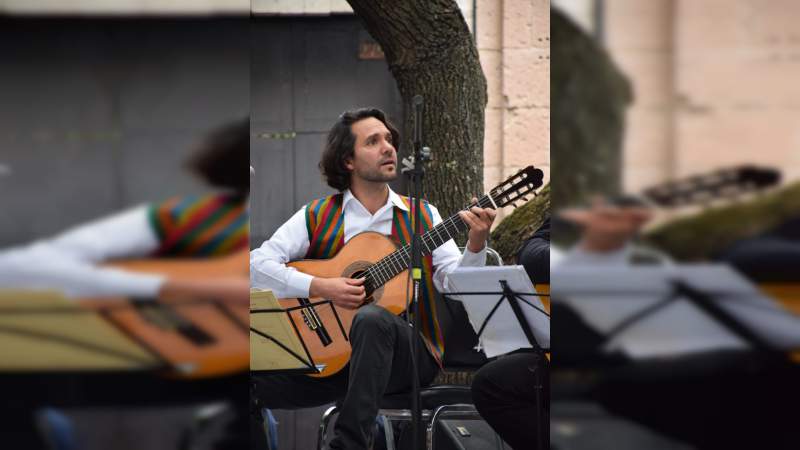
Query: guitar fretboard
x,y
396,262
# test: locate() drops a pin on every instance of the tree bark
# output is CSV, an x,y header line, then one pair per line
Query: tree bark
x,y
431,52
589,96
702,236
515,229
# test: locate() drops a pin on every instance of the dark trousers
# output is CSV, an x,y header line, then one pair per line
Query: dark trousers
x,y
504,392
380,364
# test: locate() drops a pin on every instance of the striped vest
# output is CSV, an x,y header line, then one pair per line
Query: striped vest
x,y
211,225
325,226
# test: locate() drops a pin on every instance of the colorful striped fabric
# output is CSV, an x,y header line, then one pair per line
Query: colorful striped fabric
x,y
211,225
325,226
402,226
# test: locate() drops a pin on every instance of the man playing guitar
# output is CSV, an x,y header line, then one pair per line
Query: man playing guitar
x,y
359,159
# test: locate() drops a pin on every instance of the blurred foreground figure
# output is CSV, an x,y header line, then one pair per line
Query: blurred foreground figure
x,y
75,263
721,398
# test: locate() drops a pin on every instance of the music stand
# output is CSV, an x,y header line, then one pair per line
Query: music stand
x,y
276,345
505,304
648,312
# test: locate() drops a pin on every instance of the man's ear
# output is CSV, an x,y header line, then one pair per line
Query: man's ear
x,y
348,163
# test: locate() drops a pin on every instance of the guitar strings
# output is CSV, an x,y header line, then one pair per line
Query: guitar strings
x,y
397,261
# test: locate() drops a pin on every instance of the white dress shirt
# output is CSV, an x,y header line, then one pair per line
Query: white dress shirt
x,y
268,268
69,262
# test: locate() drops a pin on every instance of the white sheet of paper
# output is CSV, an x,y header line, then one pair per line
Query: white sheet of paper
x,y
503,333
605,296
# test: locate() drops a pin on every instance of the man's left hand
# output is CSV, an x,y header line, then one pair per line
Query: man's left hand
x,y
480,223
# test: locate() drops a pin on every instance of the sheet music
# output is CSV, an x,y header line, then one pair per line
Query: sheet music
x,y
264,353
503,333
44,331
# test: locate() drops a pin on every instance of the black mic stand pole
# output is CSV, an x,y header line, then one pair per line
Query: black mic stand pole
x,y
416,175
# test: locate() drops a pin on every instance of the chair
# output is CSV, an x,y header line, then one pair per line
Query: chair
x,y
436,402
452,401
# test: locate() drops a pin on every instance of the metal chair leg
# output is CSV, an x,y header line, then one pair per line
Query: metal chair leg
x,y
323,425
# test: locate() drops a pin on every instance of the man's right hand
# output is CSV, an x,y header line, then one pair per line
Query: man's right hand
x,y
347,293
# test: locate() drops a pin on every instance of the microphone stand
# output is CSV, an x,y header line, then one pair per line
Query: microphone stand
x,y
416,175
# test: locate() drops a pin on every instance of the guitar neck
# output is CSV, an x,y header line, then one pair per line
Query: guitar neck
x,y
395,263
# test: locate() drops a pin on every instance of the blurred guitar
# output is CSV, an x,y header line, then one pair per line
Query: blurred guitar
x,y
194,339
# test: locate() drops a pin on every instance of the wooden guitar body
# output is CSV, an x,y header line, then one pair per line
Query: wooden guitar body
x,y
359,253
197,339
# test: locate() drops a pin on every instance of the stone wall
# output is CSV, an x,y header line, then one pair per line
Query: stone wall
x,y
715,85
513,38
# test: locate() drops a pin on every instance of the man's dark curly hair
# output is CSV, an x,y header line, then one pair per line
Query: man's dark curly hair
x,y
222,156
340,145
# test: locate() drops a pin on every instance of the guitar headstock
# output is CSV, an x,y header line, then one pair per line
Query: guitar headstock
x,y
724,183
517,186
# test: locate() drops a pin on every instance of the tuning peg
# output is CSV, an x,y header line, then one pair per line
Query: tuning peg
x,y
514,204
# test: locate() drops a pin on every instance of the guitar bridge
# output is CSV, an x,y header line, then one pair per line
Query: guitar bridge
x,y
313,322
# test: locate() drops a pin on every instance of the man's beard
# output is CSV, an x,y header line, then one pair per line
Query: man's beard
x,y
376,176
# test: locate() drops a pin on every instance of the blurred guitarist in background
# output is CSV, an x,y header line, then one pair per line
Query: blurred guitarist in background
x,y
186,227
359,159
208,226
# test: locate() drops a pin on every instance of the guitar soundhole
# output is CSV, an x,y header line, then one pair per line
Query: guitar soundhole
x,y
357,270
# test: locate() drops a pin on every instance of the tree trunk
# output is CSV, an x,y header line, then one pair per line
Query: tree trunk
x,y
431,52
589,96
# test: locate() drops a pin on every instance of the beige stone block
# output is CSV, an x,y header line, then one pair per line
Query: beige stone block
x,y
637,24
725,23
540,29
518,19
637,179
768,137
747,77
651,75
526,77
492,176
493,137
492,65
489,31
526,137
648,139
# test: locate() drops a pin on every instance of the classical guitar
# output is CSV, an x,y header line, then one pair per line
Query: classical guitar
x,y
193,338
382,264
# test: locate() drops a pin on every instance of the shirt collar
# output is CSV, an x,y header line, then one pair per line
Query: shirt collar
x,y
393,198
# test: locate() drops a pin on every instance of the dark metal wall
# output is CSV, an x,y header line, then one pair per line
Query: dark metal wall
x,y
97,115
305,72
